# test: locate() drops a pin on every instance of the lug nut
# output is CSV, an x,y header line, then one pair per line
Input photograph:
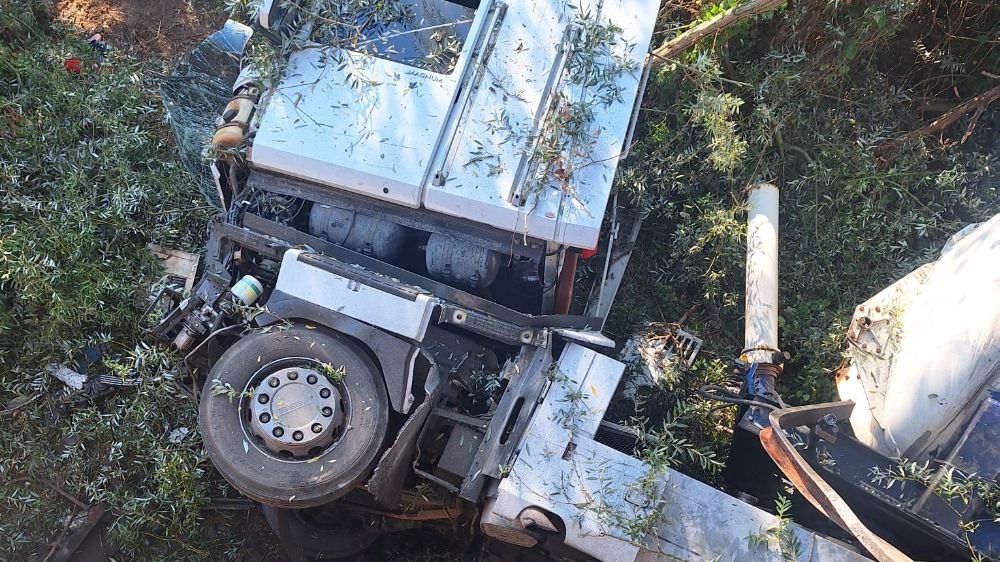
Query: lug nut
x,y
274,382
292,375
265,417
297,436
324,393
277,432
263,398
311,379
327,411
317,428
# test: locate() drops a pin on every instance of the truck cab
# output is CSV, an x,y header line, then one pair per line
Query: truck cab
x,y
390,328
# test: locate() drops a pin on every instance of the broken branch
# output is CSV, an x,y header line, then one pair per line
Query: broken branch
x,y
977,104
670,49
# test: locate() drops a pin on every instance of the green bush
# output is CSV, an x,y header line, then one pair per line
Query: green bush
x,y
88,179
809,98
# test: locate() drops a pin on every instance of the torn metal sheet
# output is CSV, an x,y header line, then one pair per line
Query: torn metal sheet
x,y
925,350
70,377
657,353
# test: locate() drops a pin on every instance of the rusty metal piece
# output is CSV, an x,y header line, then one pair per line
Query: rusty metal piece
x,y
62,492
770,369
808,482
67,545
567,281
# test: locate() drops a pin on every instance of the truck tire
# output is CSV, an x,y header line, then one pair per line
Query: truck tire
x,y
248,461
320,533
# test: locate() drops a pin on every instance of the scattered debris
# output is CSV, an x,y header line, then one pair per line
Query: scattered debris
x,y
17,403
79,536
99,46
72,378
178,434
656,353
73,65
181,267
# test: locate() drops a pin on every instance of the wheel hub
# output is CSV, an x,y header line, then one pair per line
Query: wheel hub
x,y
296,412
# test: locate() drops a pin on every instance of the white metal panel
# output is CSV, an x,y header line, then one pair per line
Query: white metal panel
x,y
702,523
551,473
357,122
408,318
385,129
933,347
594,488
500,126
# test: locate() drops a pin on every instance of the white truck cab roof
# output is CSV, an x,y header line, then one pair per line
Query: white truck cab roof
x,y
511,113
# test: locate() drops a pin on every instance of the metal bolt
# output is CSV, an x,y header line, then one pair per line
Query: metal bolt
x,y
265,417
263,398
324,393
830,419
864,346
317,428
327,411
311,379
273,383
292,375
277,432
297,436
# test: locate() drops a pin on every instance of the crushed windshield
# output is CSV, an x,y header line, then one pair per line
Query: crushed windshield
x,y
427,34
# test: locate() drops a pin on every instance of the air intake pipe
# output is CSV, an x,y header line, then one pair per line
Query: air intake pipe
x,y
760,347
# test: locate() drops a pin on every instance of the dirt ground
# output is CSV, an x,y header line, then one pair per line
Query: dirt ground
x,y
166,28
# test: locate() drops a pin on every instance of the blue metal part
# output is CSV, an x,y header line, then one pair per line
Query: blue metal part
x,y
749,377
976,455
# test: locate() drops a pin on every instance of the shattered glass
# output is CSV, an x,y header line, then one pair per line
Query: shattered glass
x,y
426,34
195,94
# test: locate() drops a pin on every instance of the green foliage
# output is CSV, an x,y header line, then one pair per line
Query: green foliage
x,y
87,180
666,447
949,484
782,535
335,374
137,452
854,216
676,428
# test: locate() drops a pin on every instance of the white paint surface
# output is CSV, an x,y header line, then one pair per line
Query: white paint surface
x,y
388,137
941,348
408,318
761,320
593,488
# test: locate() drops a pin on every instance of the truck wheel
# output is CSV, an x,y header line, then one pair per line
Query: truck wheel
x,y
320,533
294,418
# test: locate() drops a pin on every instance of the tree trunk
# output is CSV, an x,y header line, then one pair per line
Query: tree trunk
x,y
674,47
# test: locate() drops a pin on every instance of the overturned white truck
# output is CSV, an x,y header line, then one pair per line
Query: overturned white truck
x,y
404,205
